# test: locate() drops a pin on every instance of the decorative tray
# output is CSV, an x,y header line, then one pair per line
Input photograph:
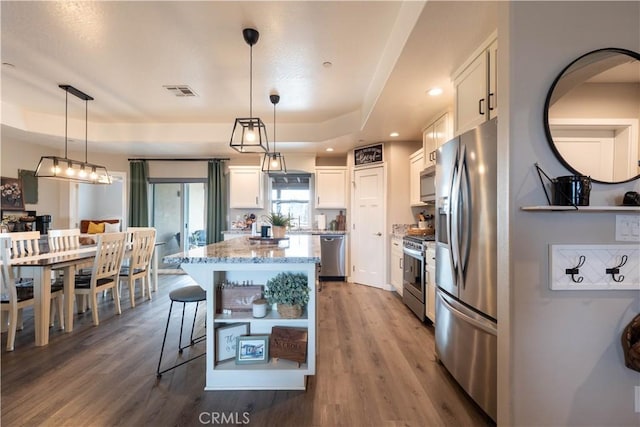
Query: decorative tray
x,y
268,239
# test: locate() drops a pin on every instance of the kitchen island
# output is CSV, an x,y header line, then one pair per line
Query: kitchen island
x,y
256,261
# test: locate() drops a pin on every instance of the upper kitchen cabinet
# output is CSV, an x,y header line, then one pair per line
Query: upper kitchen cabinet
x,y
434,135
416,164
246,184
475,83
331,187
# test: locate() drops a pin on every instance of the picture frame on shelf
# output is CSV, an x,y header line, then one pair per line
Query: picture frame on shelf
x,y
252,349
11,195
226,340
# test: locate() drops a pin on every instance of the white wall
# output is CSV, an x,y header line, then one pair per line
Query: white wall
x,y
565,358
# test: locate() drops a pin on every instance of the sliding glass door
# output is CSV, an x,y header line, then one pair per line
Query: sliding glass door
x,y
179,216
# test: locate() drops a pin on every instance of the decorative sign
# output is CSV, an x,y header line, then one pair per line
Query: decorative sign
x,y
226,339
289,343
368,155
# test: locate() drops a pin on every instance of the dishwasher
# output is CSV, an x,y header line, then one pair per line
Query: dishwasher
x,y
332,257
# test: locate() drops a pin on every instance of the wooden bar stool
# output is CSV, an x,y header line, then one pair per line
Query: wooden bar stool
x,y
187,294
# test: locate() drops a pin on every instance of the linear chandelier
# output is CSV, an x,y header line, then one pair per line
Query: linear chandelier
x,y
68,169
249,134
274,161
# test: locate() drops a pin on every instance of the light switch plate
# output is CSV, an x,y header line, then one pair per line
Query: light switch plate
x,y
591,274
628,228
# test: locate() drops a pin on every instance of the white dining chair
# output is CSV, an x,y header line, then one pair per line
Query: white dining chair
x,y
104,272
15,296
139,266
67,240
63,239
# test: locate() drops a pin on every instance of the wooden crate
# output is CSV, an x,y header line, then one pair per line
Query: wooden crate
x,y
289,343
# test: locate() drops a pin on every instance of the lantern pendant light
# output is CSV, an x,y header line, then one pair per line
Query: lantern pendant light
x,y
64,168
249,135
274,161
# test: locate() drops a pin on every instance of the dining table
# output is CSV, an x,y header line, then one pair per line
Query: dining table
x,y
39,267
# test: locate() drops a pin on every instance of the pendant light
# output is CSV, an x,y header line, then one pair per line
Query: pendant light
x,y
249,135
68,169
274,162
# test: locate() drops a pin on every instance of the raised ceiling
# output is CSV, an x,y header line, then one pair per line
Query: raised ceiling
x,y
384,57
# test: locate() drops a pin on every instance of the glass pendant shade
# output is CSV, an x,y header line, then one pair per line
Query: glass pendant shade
x,y
67,169
249,134
274,161
72,170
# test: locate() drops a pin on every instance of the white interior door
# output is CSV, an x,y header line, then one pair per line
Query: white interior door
x,y
368,243
592,154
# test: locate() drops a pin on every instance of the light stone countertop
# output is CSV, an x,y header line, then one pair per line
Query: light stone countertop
x,y
289,232
301,248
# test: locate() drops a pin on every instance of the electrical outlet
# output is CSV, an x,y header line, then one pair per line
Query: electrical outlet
x,y
628,228
594,267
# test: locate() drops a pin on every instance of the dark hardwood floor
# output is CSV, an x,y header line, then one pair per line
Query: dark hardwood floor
x,y
376,367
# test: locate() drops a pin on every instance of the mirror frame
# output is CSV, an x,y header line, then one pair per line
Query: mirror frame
x,y
547,128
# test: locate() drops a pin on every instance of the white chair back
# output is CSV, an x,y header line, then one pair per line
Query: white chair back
x,y
64,240
109,255
24,243
142,242
7,277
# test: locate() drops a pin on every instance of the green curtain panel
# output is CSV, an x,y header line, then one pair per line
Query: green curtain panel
x,y
216,201
138,194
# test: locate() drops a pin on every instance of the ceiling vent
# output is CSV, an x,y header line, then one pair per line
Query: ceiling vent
x,y
180,90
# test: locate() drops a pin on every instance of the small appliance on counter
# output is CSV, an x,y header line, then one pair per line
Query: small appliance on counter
x,y
43,223
321,219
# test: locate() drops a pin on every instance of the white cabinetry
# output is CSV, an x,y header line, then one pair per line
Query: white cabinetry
x,y
416,164
396,267
475,84
246,187
434,135
331,188
430,280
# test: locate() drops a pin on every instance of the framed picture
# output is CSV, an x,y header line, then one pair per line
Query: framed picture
x,y
226,339
11,194
252,349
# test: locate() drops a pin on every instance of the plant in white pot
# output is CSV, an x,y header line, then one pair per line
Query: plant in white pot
x,y
279,224
290,291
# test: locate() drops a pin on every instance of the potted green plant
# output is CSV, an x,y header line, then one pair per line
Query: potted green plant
x,y
290,291
278,222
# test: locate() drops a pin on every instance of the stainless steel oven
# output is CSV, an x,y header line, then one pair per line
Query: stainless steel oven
x,y
413,280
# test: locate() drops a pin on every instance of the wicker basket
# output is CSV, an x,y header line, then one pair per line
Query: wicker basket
x,y
287,311
631,344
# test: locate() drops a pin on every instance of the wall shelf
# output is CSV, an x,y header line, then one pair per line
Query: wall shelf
x,y
546,208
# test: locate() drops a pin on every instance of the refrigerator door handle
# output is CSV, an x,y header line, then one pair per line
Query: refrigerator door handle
x,y
481,324
456,219
452,225
465,217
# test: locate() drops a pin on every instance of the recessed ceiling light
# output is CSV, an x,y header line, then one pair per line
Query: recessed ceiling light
x,y
329,149
435,91
394,134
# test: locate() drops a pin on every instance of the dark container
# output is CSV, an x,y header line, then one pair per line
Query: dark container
x,y
571,190
43,223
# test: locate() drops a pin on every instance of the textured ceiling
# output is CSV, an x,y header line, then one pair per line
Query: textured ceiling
x,y
384,56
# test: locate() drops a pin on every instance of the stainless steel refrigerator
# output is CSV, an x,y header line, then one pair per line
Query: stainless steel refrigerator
x,y
466,298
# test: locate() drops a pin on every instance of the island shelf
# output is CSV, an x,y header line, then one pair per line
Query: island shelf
x,y
239,258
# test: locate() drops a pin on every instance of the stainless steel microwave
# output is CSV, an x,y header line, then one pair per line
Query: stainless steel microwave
x,y
428,184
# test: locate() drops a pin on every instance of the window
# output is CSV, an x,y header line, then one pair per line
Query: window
x,y
291,195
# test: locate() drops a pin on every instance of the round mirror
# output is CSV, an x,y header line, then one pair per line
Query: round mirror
x,y
592,115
